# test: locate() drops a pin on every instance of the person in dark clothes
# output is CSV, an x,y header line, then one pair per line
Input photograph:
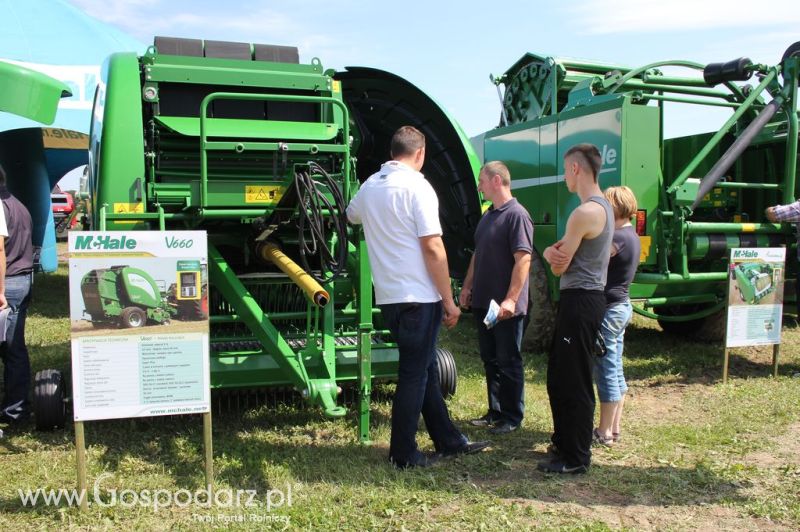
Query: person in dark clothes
x,y
499,271
16,293
581,259
400,213
608,374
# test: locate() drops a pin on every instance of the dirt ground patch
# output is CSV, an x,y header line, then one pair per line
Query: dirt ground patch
x,y
651,405
785,451
85,328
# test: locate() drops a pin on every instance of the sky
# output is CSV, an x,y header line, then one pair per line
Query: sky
x,y
448,48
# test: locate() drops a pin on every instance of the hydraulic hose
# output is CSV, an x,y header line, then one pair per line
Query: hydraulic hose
x,y
315,212
736,149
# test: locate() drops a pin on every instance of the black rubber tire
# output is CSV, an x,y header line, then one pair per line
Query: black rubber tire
x,y
712,328
541,309
792,51
191,310
132,318
49,399
708,329
448,374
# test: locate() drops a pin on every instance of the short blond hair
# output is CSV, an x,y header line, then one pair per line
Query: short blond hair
x,y
493,168
622,201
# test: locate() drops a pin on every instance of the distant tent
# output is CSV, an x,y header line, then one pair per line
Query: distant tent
x,y
57,39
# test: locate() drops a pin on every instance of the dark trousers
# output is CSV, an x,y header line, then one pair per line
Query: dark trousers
x,y
500,349
415,327
797,292
569,373
16,365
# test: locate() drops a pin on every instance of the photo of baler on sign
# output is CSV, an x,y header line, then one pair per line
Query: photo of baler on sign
x,y
128,297
753,281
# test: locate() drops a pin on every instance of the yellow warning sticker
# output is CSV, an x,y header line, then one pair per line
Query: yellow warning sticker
x,y
262,193
337,86
128,208
748,228
644,242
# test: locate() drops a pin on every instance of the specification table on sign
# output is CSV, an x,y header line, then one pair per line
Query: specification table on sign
x,y
139,318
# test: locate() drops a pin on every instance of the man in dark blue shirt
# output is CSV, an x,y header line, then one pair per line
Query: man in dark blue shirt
x,y
499,271
17,294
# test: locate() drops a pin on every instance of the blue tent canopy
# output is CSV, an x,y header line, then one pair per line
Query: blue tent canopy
x,y
60,40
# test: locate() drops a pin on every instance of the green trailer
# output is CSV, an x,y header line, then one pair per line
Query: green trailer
x,y
699,195
264,153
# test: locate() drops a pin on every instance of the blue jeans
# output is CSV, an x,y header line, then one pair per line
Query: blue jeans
x,y
502,362
16,365
608,369
415,327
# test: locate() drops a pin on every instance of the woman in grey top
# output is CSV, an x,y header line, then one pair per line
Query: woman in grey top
x,y
608,375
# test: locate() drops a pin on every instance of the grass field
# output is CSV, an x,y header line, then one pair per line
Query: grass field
x,y
695,454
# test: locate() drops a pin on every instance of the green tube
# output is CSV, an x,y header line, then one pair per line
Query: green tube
x,y
678,99
791,145
674,278
674,80
732,228
679,300
736,184
713,141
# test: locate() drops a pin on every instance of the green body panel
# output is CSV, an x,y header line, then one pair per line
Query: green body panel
x,y
107,292
29,93
225,141
627,136
140,288
118,108
551,104
227,127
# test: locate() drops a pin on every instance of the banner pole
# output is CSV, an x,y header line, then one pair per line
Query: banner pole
x,y
776,351
209,452
80,454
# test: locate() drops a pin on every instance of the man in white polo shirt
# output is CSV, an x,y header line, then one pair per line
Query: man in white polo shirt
x,y
400,213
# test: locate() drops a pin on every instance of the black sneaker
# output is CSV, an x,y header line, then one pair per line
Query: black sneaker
x,y
560,467
487,420
427,460
504,427
468,448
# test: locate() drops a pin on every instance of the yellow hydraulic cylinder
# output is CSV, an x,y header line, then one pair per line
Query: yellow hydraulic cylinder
x,y
308,284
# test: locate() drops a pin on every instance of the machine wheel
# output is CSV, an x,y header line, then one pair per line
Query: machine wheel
x,y
792,51
133,317
49,399
448,374
708,329
541,310
194,310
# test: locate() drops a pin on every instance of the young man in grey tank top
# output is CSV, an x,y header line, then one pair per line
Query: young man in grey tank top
x,y
581,259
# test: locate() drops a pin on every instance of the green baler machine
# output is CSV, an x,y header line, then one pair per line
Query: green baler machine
x,y
264,153
124,296
753,281
699,195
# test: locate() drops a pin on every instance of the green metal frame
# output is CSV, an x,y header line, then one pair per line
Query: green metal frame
x,y
553,103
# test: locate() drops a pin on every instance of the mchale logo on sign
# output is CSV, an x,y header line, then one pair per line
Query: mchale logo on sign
x,y
103,242
745,254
